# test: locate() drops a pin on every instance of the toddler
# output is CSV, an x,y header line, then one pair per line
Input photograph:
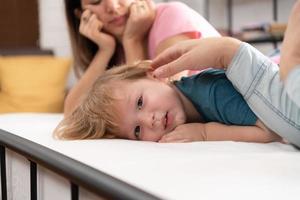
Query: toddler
x,y
128,102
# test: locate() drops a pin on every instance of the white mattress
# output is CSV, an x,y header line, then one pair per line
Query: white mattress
x,y
199,170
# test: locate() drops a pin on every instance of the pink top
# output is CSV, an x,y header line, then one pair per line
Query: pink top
x,y
276,59
174,18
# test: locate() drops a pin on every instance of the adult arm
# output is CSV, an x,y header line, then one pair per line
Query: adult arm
x,y
176,22
290,56
95,69
162,46
196,54
91,28
292,85
142,14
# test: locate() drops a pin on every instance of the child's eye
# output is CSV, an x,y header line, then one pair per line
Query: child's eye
x,y
137,132
140,103
95,2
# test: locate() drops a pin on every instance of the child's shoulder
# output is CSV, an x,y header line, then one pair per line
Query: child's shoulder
x,y
205,79
210,74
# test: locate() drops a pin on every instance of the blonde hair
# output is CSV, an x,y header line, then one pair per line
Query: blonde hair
x,y
96,116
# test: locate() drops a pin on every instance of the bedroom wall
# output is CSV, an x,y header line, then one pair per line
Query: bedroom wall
x,y
53,28
54,35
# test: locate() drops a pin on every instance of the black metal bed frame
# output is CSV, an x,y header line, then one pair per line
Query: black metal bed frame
x,y
76,172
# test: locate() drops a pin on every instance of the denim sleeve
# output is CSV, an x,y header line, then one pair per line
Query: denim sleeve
x,y
293,85
246,69
257,78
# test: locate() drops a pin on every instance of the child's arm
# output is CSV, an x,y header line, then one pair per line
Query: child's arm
x,y
213,131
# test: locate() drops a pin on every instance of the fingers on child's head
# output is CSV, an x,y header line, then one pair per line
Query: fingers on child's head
x,y
151,75
146,64
143,64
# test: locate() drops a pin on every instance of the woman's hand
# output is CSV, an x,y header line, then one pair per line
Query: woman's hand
x,y
186,133
91,27
141,17
177,58
197,54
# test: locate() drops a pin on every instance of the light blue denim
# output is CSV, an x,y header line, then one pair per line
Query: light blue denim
x,y
292,85
256,77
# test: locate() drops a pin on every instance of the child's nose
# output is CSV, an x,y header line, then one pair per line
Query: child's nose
x,y
152,121
147,120
158,122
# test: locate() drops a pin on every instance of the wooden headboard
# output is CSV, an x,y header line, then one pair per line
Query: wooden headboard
x,y
25,51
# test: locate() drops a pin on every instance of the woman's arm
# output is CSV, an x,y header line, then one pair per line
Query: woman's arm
x,y
134,51
91,28
290,56
197,54
213,131
134,40
95,69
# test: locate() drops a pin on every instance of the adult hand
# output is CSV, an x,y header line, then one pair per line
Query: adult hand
x,y
141,17
186,133
177,58
197,54
91,27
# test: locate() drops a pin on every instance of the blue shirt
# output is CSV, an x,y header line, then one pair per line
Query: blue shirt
x,y
216,99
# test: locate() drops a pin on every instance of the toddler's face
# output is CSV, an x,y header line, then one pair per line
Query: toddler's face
x,y
148,109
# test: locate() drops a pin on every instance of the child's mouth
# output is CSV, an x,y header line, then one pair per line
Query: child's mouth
x,y
166,120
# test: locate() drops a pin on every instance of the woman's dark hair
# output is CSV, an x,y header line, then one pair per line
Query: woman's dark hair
x,y
83,49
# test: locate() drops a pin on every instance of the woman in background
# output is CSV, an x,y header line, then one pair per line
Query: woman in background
x,y
105,33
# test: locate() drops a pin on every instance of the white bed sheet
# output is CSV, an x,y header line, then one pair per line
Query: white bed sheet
x,y
199,170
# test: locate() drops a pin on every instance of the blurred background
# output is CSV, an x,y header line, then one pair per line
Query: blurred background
x,y
41,23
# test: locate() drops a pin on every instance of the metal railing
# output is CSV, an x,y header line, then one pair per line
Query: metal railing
x,y
76,172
